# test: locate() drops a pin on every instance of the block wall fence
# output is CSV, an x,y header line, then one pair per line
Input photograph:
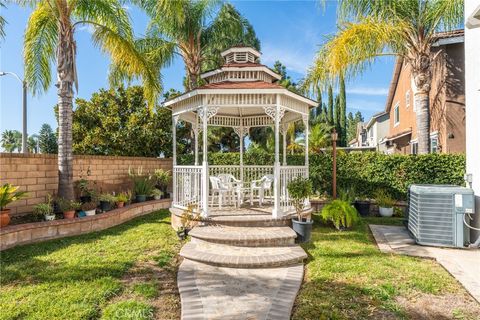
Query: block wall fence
x,y
38,174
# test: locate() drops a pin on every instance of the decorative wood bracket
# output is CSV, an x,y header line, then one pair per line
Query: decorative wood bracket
x,y
271,111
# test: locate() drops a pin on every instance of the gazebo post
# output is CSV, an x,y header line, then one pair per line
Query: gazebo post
x,y
276,180
205,182
196,140
284,134
174,137
307,128
241,152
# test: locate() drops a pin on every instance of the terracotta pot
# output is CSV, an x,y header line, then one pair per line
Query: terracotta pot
x,y
69,214
4,217
120,204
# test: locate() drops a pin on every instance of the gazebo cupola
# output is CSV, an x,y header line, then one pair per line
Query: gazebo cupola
x,y
241,94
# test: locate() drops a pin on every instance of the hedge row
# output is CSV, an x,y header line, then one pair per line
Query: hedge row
x,y
363,172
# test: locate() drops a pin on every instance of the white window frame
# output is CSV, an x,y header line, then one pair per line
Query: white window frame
x,y
407,99
434,136
414,146
396,119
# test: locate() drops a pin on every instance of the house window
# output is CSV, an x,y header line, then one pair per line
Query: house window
x,y
414,145
434,143
396,114
407,99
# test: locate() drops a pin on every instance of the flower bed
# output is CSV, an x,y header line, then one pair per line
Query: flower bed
x,y
15,235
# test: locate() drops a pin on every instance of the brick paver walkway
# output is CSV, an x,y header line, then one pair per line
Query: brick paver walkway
x,y
240,272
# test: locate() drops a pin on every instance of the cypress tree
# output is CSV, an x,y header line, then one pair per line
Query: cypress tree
x,y
330,106
343,111
336,122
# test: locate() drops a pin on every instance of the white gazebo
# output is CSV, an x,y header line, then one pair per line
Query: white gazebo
x,y
241,94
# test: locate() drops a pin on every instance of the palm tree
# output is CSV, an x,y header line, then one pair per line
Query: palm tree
x,y
49,37
11,140
3,22
404,28
188,28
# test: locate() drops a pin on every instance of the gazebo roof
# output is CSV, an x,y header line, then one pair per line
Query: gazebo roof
x,y
241,88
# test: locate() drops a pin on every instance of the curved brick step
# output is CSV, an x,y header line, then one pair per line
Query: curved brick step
x,y
222,255
245,236
249,220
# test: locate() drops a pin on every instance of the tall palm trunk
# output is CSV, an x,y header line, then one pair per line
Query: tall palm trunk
x,y
66,76
422,78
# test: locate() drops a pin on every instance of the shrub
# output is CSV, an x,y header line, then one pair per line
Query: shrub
x,y
9,194
340,213
89,206
365,172
299,189
162,177
122,197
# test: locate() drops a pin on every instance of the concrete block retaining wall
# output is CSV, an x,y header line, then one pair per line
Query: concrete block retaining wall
x,y
15,235
38,174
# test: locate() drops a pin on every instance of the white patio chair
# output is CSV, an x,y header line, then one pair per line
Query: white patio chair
x,y
220,189
262,186
235,185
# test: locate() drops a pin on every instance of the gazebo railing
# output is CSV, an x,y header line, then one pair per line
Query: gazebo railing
x,y
187,186
287,174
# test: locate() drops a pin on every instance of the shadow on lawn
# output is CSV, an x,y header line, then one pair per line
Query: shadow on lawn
x,y
28,262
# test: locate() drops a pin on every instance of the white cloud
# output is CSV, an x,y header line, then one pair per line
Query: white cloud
x,y
368,91
87,27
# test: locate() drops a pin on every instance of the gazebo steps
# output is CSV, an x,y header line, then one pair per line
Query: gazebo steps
x,y
249,220
245,236
222,255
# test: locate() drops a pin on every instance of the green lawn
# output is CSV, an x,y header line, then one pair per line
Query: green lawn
x,y
348,278
126,272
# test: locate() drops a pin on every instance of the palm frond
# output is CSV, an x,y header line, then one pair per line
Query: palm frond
x,y
39,48
130,61
444,15
353,49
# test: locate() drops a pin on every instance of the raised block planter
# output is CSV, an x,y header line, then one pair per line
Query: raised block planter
x,y
15,235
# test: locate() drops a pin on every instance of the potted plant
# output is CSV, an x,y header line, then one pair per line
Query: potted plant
x,y
90,208
385,203
157,194
83,186
162,179
299,190
189,215
121,199
341,213
142,184
106,201
8,194
68,207
363,206
142,187
45,209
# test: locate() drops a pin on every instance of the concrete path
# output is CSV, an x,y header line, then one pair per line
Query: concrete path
x,y
463,264
247,268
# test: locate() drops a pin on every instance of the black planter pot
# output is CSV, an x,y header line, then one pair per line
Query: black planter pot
x,y
105,206
85,199
303,229
140,198
363,207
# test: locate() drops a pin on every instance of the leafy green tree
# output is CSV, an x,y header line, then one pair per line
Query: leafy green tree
x,y
119,122
11,140
404,28
352,122
286,81
50,38
47,140
189,29
32,143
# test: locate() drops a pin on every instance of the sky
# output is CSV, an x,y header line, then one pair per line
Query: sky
x,y
289,31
